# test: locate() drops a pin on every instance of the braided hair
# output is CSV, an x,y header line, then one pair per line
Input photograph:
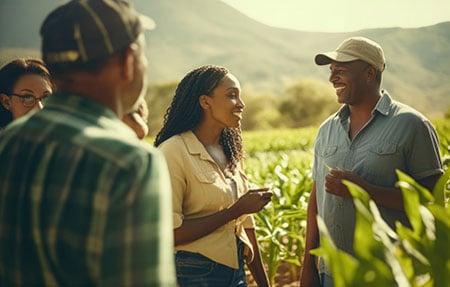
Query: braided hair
x,y
185,112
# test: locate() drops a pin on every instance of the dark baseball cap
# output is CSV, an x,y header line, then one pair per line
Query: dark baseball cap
x,y
84,31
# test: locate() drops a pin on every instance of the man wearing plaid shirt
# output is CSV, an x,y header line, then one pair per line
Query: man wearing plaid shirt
x,y
83,202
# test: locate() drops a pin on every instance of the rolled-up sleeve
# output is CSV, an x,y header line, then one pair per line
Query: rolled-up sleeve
x,y
424,159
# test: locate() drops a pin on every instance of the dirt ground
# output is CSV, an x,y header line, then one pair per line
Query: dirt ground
x,y
282,279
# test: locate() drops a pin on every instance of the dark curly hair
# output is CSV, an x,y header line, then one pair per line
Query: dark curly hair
x,y
12,72
185,112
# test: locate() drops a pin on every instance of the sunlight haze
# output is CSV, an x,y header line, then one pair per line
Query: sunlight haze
x,y
346,15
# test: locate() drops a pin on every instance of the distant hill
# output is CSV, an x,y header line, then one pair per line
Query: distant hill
x,y
195,32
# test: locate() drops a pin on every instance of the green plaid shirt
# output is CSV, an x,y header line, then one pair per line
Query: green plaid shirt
x,y
83,202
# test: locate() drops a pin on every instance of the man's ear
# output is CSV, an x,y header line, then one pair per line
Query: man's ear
x,y
129,59
204,102
371,74
6,101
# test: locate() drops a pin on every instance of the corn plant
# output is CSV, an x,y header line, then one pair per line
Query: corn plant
x,y
410,257
443,130
280,226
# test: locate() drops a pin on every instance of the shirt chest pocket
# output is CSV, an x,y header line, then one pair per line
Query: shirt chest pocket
x,y
328,151
211,192
329,155
381,161
206,177
383,149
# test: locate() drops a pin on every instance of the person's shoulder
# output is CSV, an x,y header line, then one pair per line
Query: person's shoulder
x,y
402,111
389,106
406,119
174,142
118,144
332,119
178,147
111,142
129,155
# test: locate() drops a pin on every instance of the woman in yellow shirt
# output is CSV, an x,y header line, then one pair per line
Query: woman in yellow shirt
x,y
212,205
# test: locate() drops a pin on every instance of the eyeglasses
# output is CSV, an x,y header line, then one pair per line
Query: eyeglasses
x,y
30,100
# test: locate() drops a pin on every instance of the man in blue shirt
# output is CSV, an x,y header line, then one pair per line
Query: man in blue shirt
x,y
364,142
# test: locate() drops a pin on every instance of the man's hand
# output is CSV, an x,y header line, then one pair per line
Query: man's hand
x,y
334,185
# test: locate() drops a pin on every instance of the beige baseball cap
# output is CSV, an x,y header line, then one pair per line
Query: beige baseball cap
x,y
355,48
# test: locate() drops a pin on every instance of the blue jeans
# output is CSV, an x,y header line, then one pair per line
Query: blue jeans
x,y
196,270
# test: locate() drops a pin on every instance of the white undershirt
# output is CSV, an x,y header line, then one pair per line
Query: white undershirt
x,y
221,160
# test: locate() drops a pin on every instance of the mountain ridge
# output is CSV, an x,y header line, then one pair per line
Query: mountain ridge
x,y
264,58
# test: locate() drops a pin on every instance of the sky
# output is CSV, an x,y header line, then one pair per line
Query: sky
x,y
344,15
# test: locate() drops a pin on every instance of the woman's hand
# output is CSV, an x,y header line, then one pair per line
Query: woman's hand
x,y
252,201
192,229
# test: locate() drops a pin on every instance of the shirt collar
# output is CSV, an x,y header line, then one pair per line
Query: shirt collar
x,y
194,146
73,103
89,111
382,106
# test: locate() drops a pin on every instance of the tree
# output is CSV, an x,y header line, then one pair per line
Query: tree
x,y
260,112
158,99
307,102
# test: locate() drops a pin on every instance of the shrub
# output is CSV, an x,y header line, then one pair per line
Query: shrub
x,y
307,102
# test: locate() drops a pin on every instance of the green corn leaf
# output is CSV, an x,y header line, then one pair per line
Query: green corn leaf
x,y
338,261
440,187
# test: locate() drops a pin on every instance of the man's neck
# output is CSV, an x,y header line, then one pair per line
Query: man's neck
x,y
366,107
94,88
361,114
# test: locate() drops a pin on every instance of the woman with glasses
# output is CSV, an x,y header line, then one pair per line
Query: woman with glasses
x,y
24,84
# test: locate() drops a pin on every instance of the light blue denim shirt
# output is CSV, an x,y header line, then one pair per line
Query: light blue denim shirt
x,y
396,137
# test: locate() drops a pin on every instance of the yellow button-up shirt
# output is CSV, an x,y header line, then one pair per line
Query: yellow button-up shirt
x,y
200,189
